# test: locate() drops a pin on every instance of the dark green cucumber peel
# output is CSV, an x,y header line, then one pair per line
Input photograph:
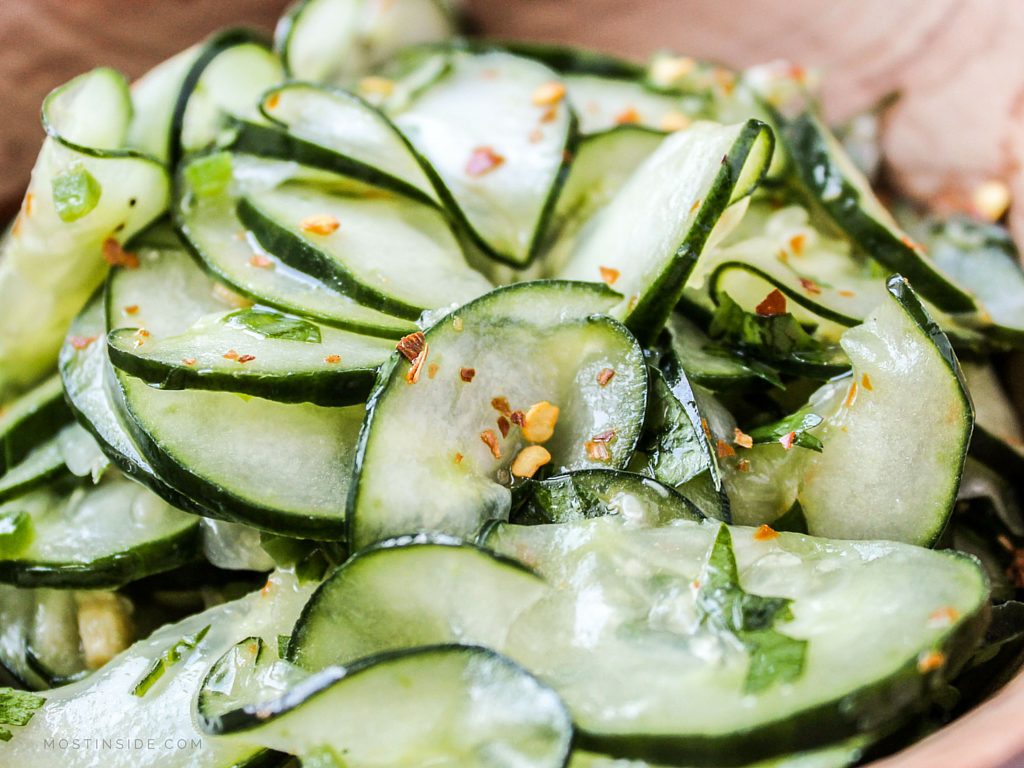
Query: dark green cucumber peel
x,y
44,464
32,419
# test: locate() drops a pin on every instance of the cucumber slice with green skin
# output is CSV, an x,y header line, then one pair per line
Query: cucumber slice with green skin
x,y
647,251
997,441
528,343
339,41
846,198
904,372
349,136
54,645
31,420
210,227
43,464
17,613
389,253
865,610
704,363
409,592
596,492
450,705
154,97
164,714
501,157
85,190
601,103
104,536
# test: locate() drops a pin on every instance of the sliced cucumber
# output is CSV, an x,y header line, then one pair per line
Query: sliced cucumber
x,y
646,251
42,464
847,200
997,440
410,592
85,191
837,638
706,363
906,384
31,420
213,232
234,547
17,612
437,454
54,642
386,252
499,145
605,102
163,714
154,97
449,705
338,41
103,536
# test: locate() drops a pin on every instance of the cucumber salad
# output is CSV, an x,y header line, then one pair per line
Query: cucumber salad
x,y
377,396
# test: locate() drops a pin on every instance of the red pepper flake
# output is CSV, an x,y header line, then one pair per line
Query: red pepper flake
x,y
413,374
246,358
943,617
782,256
81,342
28,204
787,440
458,458
865,381
518,418
797,243
723,449
628,116
482,161
549,93
742,439
604,376
131,309
272,101
609,275
491,441
743,465
765,533
467,374
231,355
320,224
140,337
260,261
116,256
503,426
797,72
332,359
846,294
851,395
725,80
773,304
189,361
929,661
696,205
549,115
536,136
810,286
912,244
410,346
604,437
706,428
267,588
500,404
432,370
598,451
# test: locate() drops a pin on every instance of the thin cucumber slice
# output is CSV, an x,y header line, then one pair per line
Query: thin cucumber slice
x,y
164,713
601,103
347,135
647,251
906,384
234,547
847,200
211,229
706,363
31,420
248,673
834,638
595,492
338,41
449,436
54,642
154,97
501,156
17,613
386,252
104,536
449,705
42,464
997,441
85,191
411,592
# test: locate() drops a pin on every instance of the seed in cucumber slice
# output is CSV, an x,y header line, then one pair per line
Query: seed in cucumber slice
x,y
409,592
647,251
906,384
453,705
499,145
437,455
621,641
384,251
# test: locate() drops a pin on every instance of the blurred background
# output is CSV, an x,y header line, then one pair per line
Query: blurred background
x,y
956,65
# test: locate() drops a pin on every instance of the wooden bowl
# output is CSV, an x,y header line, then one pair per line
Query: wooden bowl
x,y
958,122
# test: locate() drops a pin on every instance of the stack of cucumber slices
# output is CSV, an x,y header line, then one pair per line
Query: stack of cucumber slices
x,y
379,397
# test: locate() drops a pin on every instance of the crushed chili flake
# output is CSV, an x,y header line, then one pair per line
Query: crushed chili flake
x,y
500,404
467,374
598,451
539,425
628,116
503,426
723,449
332,359
743,465
246,358
410,346
609,275
267,588
491,441
912,244
929,661
81,342
28,204
231,355
810,286
782,256
260,261
432,370
787,440
378,86
483,160
190,361
742,439
706,428
549,93
765,533
696,205
458,458
529,460
604,376
725,80
943,617
604,437
773,304
413,374
797,243
846,294
518,418
117,256
131,309
549,115
319,224
272,101
851,395
865,381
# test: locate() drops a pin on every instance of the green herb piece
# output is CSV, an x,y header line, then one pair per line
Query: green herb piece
x,y
272,325
75,193
209,175
166,660
15,532
796,424
675,444
17,708
282,645
725,608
